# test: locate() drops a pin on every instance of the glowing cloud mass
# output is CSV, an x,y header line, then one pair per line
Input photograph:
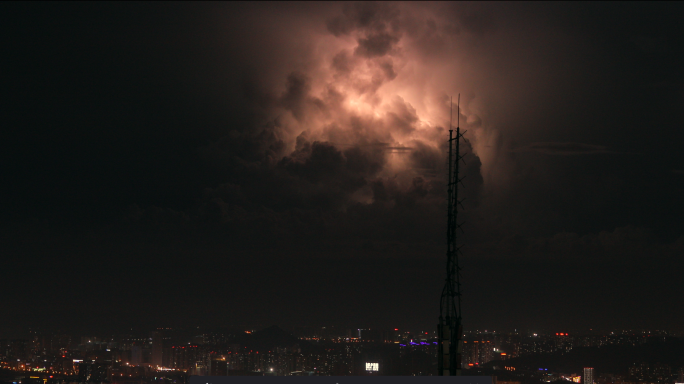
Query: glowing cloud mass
x,y
372,82
379,76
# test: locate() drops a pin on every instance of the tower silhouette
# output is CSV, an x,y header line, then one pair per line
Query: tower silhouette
x,y
449,329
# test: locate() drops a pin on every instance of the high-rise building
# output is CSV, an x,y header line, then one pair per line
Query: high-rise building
x,y
186,357
89,371
588,376
136,355
478,349
218,368
157,349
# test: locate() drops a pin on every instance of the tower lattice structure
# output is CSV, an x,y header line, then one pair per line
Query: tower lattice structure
x,y
450,328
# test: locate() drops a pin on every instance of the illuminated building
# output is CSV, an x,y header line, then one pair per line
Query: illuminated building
x,y
478,349
563,342
588,376
186,357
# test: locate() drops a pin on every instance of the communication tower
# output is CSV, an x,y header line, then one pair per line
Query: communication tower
x,y
450,329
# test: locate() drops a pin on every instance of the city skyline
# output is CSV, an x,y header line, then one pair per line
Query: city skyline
x,y
167,354
182,164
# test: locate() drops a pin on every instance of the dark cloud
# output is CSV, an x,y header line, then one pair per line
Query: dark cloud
x,y
426,157
296,94
402,116
566,149
621,245
376,45
365,16
610,269
341,62
388,68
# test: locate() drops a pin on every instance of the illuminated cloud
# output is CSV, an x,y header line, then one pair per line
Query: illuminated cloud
x,y
365,89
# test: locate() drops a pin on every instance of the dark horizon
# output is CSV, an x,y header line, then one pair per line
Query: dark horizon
x,y
176,164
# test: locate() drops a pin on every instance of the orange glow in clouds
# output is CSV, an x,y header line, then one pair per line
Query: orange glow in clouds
x,y
373,87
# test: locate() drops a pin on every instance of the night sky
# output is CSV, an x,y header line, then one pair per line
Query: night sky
x,y
284,163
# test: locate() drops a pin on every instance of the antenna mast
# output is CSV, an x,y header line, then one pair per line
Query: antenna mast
x,y
450,329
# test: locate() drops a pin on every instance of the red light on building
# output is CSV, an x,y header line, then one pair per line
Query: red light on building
x,y
396,329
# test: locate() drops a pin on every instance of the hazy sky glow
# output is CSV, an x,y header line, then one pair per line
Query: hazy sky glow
x,y
289,161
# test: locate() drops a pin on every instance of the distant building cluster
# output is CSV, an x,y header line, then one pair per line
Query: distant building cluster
x,y
524,358
481,347
170,356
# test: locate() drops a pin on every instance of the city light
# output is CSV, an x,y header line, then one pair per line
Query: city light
x,y
202,359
